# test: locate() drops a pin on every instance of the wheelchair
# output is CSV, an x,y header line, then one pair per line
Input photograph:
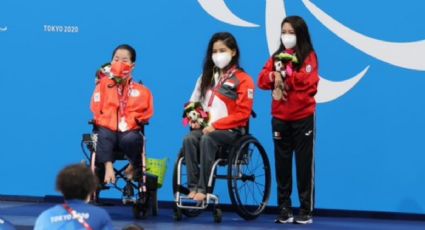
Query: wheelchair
x,y
145,199
248,181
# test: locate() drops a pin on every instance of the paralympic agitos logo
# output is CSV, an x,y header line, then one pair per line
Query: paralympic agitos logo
x,y
394,53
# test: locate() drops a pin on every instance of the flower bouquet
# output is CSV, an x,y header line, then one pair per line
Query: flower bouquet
x,y
105,71
286,57
194,112
283,64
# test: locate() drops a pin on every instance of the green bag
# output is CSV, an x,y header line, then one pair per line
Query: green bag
x,y
157,167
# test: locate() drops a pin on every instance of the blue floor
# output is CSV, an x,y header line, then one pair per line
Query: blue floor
x,y
24,214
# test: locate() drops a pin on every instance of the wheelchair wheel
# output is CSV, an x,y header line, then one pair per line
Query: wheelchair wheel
x,y
177,214
154,203
139,211
250,178
183,187
217,214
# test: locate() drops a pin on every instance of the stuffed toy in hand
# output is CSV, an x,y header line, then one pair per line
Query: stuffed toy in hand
x,y
194,112
105,71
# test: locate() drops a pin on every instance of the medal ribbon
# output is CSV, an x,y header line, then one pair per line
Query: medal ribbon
x,y
223,78
123,95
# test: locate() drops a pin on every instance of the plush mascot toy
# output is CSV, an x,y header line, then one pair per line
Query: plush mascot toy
x,y
194,112
283,63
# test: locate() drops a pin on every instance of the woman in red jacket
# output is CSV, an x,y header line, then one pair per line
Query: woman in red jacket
x,y
226,92
292,74
119,105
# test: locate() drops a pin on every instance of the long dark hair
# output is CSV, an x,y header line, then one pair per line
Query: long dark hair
x,y
207,79
304,46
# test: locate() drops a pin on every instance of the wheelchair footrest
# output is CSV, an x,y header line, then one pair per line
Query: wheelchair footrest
x,y
128,200
104,187
185,202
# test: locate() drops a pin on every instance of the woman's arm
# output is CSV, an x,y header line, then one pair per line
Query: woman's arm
x,y
143,110
196,94
96,101
307,78
266,77
244,104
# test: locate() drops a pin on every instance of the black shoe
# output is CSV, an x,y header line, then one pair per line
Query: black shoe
x,y
285,216
304,219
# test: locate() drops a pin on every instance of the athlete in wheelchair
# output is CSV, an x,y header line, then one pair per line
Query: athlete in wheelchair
x,y
121,108
218,114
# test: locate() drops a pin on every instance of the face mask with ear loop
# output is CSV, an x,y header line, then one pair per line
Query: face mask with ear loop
x,y
120,71
289,40
221,60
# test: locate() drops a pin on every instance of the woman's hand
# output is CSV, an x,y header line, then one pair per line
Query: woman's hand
x,y
278,80
280,88
194,125
208,129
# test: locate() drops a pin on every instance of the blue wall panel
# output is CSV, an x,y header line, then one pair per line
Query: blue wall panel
x,y
369,152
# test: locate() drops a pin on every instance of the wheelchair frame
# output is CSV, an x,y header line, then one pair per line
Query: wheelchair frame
x,y
146,196
235,158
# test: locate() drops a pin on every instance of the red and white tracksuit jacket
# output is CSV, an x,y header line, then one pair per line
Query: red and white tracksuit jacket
x,y
302,84
230,102
105,104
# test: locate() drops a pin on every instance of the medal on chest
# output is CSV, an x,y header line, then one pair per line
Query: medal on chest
x,y
122,125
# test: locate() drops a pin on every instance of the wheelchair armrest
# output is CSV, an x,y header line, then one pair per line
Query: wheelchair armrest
x,y
92,122
87,137
142,123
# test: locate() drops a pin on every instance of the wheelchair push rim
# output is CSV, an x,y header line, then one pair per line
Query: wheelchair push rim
x,y
249,178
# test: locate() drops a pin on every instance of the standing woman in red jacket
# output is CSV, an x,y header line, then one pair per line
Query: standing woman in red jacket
x,y
292,74
226,92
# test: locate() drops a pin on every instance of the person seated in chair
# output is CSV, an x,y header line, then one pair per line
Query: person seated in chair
x,y
226,92
120,105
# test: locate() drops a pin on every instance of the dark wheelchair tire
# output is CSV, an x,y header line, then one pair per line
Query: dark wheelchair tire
x,y
176,188
217,214
246,153
177,214
139,212
154,204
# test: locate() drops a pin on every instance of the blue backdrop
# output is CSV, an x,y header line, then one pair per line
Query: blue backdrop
x,y
369,151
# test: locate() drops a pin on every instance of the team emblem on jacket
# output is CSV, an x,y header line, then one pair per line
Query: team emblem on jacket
x,y
96,97
251,93
308,68
228,83
135,93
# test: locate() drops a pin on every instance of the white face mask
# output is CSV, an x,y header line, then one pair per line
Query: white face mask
x,y
289,40
221,60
